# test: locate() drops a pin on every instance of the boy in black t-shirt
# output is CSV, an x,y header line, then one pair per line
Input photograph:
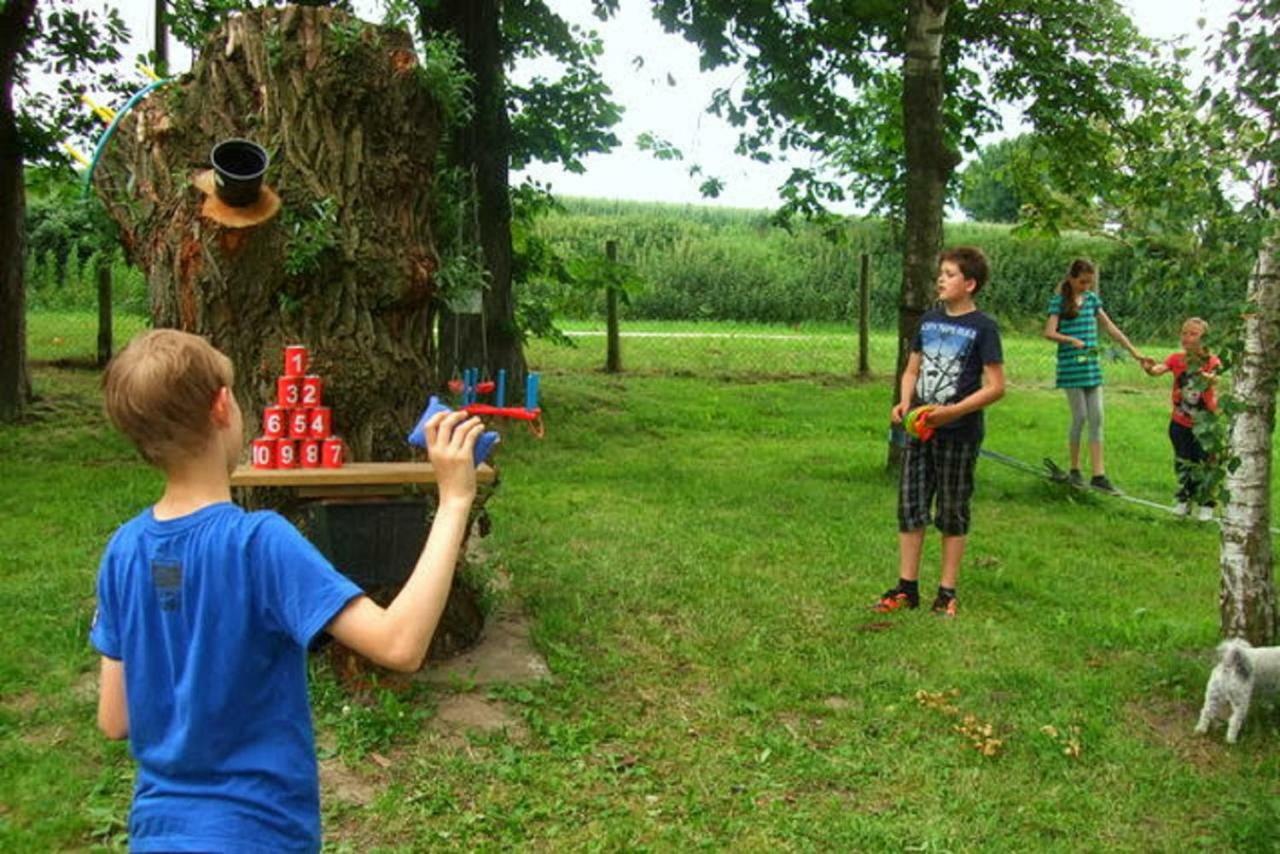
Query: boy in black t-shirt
x,y
956,367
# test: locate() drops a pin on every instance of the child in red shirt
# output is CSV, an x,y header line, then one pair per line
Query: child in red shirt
x,y
1193,395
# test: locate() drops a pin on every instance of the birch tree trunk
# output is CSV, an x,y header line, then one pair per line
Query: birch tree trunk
x,y
930,162
1247,599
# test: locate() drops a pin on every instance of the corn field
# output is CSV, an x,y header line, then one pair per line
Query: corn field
x,y
723,292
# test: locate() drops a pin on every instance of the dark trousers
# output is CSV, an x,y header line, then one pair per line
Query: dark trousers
x,y
1187,452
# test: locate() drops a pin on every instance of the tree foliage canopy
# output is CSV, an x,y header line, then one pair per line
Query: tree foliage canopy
x,y
827,78
988,186
76,45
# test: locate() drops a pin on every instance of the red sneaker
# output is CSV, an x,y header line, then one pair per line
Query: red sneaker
x,y
896,600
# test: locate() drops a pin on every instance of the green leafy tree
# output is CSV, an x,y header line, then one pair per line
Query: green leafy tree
x,y
989,191
544,120
888,95
58,37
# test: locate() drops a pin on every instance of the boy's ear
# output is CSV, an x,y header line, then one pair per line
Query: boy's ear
x,y
221,409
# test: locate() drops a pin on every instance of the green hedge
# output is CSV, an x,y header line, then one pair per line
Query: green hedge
x,y
705,263
70,283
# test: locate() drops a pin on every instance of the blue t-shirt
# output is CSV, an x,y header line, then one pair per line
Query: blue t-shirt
x,y
953,351
212,614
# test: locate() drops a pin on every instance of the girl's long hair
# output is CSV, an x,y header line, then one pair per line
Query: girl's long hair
x,y
1078,268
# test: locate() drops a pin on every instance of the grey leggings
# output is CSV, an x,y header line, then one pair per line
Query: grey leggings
x,y
1086,403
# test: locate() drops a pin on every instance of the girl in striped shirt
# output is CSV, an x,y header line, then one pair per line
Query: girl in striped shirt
x,y
1075,313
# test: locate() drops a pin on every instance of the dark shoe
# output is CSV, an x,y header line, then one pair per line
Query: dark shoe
x,y
896,600
1075,478
1102,484
944,606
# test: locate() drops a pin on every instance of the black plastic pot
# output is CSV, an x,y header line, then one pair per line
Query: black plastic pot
x,y
238,167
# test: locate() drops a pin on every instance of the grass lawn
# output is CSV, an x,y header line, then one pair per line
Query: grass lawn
x,y
697,557
55,336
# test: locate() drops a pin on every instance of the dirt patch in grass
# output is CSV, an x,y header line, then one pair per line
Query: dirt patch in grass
x,y
340,782
85,688
504,654
1171,724
461,714
21,704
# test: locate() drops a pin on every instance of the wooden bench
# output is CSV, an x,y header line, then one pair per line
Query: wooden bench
x,y
351,481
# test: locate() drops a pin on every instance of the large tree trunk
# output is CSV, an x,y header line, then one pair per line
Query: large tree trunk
x,y
15,383
930,163
1248,600
482,148
349,124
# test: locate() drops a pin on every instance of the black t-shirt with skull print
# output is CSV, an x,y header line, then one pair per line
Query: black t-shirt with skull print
x,y
953,351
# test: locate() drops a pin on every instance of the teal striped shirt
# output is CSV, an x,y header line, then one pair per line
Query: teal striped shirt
x,y
1079,368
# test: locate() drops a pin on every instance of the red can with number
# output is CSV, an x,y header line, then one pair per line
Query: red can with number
x,y
299,423
273,424
286,454
295,360
288,392
321,422
264,453
310,452
334,453
312,389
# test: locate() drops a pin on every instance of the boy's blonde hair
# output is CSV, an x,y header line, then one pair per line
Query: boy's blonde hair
x,y
1198,321
158,391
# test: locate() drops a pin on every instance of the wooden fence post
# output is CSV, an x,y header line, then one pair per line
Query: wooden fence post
x,y
613,355
104,310
864,317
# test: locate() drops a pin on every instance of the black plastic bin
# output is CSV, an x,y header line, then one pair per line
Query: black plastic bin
x,y
374,543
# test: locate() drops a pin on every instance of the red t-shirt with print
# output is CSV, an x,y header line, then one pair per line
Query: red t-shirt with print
x,y
1187,401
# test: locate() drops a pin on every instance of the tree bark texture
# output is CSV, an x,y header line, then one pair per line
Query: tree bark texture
x,y
930,162
1247,601
489,341
348,123
15,383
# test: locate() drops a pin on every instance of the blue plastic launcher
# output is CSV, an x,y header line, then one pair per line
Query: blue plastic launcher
x,y
418,436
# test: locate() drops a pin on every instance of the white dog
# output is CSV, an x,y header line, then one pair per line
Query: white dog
x,y
1243,672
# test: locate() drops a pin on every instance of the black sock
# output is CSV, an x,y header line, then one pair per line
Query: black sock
x,y
946,592
911,588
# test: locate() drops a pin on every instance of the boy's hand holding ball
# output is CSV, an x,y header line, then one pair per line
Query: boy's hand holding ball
x,y
916,423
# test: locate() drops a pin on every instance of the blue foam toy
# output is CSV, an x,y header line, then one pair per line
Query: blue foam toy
x,y
418,436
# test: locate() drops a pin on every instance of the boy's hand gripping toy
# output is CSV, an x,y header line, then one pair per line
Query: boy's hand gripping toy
x,y
917,423
418,436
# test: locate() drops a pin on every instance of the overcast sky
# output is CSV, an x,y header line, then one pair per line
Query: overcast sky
x,y
676,113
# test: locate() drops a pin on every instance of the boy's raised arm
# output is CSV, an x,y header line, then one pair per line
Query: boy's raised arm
x,y
397,636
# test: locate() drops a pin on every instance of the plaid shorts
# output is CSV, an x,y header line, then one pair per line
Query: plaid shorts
x,y
937,469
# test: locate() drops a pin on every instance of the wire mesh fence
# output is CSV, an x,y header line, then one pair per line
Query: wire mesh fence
x,y
733,351
825,352
64,327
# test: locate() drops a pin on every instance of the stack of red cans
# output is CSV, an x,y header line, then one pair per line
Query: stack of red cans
x,y
297,432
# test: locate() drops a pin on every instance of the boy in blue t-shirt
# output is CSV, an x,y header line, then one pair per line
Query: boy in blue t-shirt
x,y
205,613
956,365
